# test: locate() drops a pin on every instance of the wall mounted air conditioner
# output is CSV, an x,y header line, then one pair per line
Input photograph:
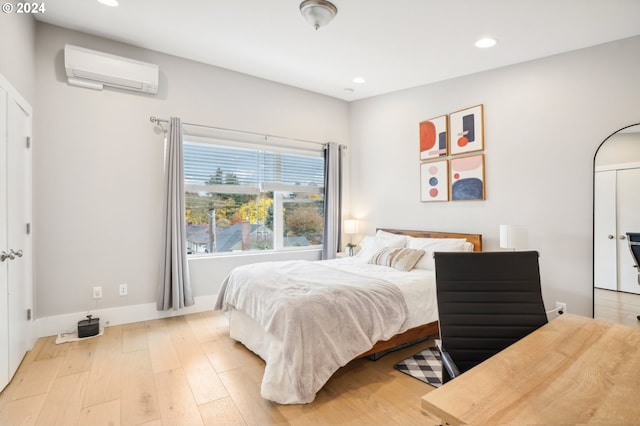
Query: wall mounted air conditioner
x,y
92,69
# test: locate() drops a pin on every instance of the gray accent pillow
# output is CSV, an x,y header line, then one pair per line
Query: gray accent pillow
x,y
402,259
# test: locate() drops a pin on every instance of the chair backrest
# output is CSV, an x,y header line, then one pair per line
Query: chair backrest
x,y
486,302
633,238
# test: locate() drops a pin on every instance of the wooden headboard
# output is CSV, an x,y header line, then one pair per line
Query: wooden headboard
x,y
475,239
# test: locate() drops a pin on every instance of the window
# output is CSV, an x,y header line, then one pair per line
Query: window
x,y
241,196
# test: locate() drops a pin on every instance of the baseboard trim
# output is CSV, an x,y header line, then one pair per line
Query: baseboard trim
x,y
54,325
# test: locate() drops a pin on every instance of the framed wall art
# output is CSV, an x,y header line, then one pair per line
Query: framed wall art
x,y
466,130
434,181
467,178
433,138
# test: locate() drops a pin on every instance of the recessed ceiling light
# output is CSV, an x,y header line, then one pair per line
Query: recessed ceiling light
x,y
359,80
112,3
486,42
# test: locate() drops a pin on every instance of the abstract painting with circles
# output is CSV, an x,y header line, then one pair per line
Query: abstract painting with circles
x,y
467,178
433,138
434,181
466,131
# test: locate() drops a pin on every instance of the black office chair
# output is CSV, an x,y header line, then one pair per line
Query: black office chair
x,y
486,302
633,238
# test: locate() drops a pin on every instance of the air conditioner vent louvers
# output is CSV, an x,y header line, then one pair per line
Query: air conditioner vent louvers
x,y
107,79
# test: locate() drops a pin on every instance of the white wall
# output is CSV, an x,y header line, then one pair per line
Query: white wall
x,y
543,122
17,58
621,148
98,164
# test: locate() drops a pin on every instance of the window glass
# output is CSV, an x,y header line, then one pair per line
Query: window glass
x,y
240,199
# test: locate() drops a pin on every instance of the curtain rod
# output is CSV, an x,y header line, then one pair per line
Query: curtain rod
x,y
157,121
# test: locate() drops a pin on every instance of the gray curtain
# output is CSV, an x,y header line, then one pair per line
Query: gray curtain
x,y
174,287
332,200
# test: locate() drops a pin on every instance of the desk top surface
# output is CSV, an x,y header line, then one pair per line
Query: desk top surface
x,y
572,370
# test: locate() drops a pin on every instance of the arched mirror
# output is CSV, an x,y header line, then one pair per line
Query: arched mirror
x,y
616,227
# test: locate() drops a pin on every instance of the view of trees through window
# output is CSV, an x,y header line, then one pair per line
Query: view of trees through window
x,y
242,199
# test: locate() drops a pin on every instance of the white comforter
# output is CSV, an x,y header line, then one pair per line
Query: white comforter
x,y
324,317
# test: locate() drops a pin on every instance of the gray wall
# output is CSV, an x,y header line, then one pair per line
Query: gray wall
x,y
99,165
17,58
544,121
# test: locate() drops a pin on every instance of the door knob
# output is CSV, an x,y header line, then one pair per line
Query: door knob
x,y
622,237
16,253
611,237
4,256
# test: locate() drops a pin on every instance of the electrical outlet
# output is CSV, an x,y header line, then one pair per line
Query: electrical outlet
x,y
561,308
124,290
97,292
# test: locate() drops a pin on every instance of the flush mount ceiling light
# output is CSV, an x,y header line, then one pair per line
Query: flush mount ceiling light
x,y
483,43
112,3
318,13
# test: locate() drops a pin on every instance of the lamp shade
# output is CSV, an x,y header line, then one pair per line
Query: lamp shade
x,y
513,237
351,226
318,13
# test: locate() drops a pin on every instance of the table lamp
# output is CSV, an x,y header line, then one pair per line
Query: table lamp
x,y
513,237
350,228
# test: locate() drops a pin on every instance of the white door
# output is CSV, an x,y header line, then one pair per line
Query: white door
x,y
4,290
605,240
15,237
18,237
616,212
628,220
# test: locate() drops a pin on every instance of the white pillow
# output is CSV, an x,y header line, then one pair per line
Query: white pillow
x,y
426,261
391,240
431,245
370,245
419,243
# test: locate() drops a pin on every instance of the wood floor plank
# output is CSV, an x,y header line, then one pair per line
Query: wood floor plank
x,y
79,356
221,412
105,374
207,326
105,414
49,349
161,350
177,403
245,392
157,422
38,378
22,412
227,354
618,307
64,401
134,337
139,400
203,379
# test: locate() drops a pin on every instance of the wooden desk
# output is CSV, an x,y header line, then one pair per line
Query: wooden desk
x,y
572,370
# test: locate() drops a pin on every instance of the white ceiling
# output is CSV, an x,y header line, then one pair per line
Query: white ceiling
x,y
393,45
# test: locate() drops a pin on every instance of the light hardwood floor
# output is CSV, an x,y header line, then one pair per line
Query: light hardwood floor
x,y
187,371
618,307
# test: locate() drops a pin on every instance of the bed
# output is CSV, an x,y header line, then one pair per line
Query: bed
x,y
307,319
